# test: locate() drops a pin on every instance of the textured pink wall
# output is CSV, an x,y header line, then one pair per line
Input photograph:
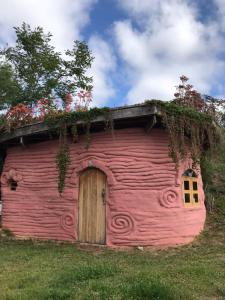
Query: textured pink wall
x,y
144,204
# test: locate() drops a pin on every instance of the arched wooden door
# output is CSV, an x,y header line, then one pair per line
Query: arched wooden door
x,y
92,212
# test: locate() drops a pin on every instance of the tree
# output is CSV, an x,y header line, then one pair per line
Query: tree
x,y
33,69
9,86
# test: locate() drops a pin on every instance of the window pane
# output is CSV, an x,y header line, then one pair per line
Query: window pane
x,y
187,198
186,185
195,198
195,186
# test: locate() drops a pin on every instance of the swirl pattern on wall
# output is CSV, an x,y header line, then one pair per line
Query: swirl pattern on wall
x,y
169,198
122,223
67,221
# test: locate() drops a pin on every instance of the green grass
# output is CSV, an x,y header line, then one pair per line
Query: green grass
x,y
46,270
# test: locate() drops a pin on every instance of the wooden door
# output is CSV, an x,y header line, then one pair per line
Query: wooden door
x,y
92,213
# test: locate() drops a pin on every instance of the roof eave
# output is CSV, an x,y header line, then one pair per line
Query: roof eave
x,y
121,113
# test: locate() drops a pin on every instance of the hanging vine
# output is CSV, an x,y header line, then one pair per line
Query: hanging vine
x,y
74,132
61,121
63,158
87,134
189,131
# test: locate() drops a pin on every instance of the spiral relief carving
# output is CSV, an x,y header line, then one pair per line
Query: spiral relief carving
x,y
122,223
67,221
169,198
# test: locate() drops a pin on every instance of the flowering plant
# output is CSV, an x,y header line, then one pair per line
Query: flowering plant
x,y
44,107
21,114
18,115
83,100
186,96
68,103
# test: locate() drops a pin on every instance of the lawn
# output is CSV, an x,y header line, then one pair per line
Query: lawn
x,y
46,270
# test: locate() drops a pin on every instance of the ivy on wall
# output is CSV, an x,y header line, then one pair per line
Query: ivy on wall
x,y
62,158
190,132
62,121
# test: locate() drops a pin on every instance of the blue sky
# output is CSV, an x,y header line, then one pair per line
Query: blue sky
x,y
141,47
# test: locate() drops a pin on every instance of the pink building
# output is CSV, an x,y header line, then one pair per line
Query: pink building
x,y
121,191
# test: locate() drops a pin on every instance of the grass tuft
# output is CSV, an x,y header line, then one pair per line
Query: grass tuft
x,y
154,289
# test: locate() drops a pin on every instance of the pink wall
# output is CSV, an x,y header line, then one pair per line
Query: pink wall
x,y
144,204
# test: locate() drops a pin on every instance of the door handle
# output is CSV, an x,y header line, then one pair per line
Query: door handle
x,y
103,196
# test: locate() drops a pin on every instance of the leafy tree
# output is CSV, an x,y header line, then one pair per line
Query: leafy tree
x,y
33,69
9,86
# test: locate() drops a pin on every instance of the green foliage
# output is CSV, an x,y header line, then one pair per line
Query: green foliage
x,y
34,70
9,86
190,132
7,232
62,165
79,60
178,110
62,121
74,133
70,118
147,288
86,273
62,159
74,276
213,170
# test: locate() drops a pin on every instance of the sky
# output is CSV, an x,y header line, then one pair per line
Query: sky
x,y
141,47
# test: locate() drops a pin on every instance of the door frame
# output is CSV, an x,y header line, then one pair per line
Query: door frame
x,y
95,163
105,205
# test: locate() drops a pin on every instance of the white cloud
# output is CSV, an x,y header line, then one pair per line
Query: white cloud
x,y
63,18
162,40
103,66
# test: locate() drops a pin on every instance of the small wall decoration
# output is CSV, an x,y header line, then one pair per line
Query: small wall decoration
x,y
169,198
122,223
11,175
67,221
